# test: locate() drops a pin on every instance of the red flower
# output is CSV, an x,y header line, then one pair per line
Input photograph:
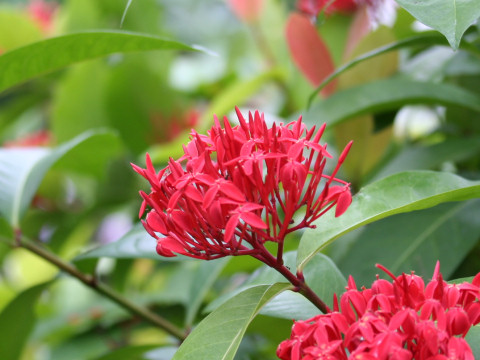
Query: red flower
x,y
401,320
239,187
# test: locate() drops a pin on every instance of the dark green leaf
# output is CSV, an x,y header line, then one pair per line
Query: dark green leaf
x,y
450,17
22,171
138,352
220,333
384,95
17,321
399,193
414,241
28,62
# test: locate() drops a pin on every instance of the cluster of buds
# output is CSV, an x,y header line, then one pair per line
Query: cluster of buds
x,y
398,320
238,187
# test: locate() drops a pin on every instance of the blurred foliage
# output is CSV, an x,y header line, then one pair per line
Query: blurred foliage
x,y
68,133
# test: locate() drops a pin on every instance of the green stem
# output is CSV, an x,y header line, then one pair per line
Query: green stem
x,y
102,289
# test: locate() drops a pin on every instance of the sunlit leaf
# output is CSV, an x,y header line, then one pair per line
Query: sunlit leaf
x,y
390,94
220,333
399,193
17,321
450,17
22,171
31,61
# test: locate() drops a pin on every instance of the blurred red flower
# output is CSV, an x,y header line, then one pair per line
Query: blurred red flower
x,y
238,187
402,319
313,7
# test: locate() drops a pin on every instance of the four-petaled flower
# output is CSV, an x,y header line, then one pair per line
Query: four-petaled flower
x,y
238,187
398,320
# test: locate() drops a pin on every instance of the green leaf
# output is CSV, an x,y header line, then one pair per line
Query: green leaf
x,y
136,243
450,17
386,95
430,157
28,62
473,339
321,275
220,333
415,241
399,193
203,279
17,321
424,39
22,171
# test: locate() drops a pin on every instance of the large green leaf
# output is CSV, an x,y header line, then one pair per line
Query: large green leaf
x,y
17,321
220,333
30,61
22,171
414,241
450,17
321,275
399,193
386,95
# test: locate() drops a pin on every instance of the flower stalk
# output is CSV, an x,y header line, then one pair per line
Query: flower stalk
x,y
102,289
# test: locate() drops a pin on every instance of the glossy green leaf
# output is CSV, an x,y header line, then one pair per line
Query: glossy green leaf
x,y
220,333
415,241
424,39
321,275
22,171
430,157
473,339
31,61
450,17
17,321
399,193
203,279
386,95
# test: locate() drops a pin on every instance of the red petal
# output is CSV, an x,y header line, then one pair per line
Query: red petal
x,y
253,220
155,221
343,202
230,228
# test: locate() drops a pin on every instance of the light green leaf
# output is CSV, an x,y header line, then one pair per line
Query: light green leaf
x,y
203,279
386,95
218,336
450,17
31,61
321,275
17,321
22,171
399,193
414,241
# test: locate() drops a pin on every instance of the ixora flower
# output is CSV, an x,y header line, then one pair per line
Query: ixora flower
x,y
238,187
398,320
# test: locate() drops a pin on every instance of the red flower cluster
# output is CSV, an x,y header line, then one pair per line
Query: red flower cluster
x,y
401,320
239,187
